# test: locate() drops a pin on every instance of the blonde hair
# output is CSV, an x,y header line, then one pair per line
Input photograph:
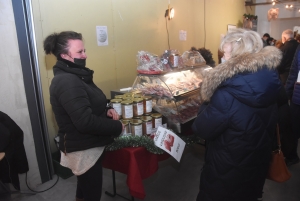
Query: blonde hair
x,y
242,41
288,33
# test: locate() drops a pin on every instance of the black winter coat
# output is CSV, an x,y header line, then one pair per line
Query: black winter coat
x,y
15,160
288,52
80,109
238,121
292,86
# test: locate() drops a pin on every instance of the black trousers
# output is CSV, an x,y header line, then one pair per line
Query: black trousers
x,y
89,184
289,140
295,115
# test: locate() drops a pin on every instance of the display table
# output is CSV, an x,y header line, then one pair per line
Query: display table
x,y
137,163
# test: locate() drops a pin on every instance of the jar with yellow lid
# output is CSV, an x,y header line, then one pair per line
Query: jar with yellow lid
x,y
146,125
147,114
147,101
137,117
126,125
137,95
127,109
156,120
116,104
136,127
119,97
138,107
129,94
127,98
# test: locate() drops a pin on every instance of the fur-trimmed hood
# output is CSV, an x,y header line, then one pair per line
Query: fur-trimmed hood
x,y
269,57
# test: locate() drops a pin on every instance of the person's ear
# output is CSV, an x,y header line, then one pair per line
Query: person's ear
x,y
63,56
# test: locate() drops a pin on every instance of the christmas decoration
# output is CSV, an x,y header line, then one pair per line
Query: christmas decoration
x,y
147,142
134,141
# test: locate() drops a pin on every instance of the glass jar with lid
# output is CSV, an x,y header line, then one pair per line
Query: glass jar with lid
x,y
147,101
119,97
129,94
116,104
126,126
146,125
127,98
137,95
156,120
138,107
127,109
136,127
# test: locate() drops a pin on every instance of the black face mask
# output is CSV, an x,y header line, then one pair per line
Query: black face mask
x,y
80,62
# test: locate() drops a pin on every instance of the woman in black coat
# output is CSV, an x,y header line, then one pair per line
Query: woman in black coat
x,y
85,122
238,119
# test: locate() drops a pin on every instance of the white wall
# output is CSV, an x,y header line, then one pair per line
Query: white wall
x,y
12,93
287,18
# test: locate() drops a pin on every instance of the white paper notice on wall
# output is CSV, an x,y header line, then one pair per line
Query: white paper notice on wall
x,y
182,35
169,142
102,36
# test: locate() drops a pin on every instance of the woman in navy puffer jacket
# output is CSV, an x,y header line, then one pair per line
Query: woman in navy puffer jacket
x,y
238,119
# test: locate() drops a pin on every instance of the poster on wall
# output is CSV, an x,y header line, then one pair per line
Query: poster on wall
x,y
230,27
102,36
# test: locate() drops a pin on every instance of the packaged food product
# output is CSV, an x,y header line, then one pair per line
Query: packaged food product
x,y
147,103
156,120
148,63
193,58
126,129
127,109
138,107
116,104
136,127
146,125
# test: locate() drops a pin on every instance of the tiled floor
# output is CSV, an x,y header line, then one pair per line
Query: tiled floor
x,y
172,182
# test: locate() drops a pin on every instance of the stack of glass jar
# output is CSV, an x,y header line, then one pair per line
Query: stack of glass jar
x,y
136,113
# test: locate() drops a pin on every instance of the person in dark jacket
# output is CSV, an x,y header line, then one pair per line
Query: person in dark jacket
x,y
292,88
238,119
11,143
288,51
85,122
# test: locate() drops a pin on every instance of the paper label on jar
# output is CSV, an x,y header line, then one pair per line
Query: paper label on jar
x,y
158,122
117,107
128,111
140,108
148,106
138,130
148,127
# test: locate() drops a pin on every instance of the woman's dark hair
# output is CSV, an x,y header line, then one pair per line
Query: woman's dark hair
x,y
207,55
269,40
57,43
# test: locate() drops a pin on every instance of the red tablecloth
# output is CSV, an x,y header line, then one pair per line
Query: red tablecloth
x,y
137,163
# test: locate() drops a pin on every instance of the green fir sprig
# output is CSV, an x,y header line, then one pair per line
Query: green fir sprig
x,y
147,142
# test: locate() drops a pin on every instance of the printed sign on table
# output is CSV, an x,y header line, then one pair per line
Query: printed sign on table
x,y
169,142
